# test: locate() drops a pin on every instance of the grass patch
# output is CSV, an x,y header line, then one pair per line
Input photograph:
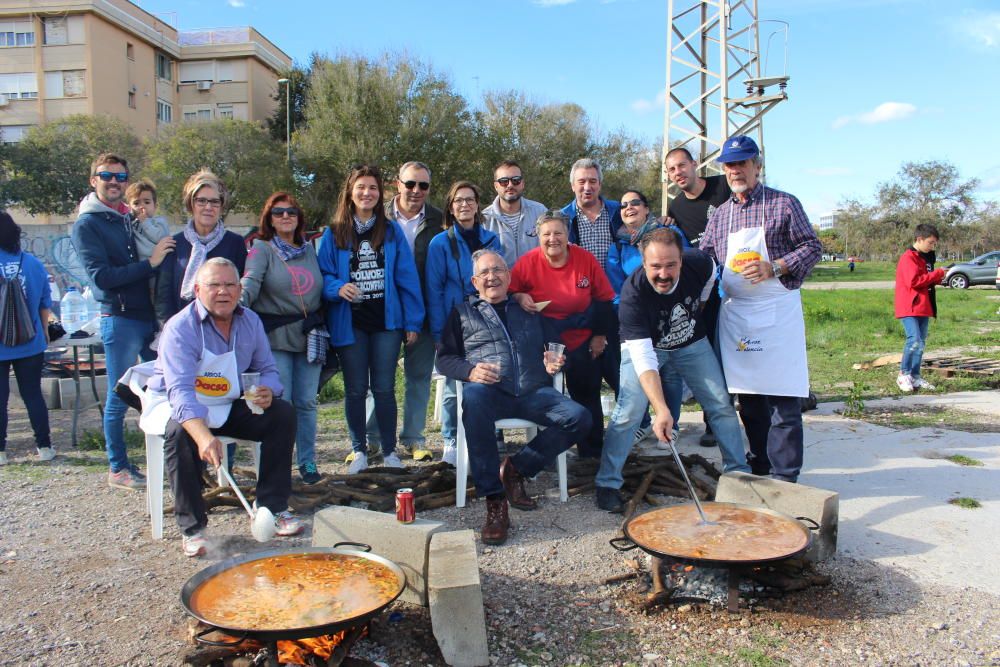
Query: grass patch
x,y
831,272
844,327
965,503
961,460
755,657
92,440
923,416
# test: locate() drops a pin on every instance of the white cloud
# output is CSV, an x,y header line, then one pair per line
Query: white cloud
x,y
643,105
989,180
237,3
982,28
553,3
828,171
883,113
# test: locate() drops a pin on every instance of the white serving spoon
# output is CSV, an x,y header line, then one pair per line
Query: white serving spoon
x,y
261,520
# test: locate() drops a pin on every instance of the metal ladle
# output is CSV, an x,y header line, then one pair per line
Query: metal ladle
x,y
261,520
687,480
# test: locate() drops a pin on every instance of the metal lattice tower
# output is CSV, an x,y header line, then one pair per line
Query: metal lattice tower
x,y
717,80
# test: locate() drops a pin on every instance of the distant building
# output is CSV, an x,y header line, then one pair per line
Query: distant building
x,y
111,57
828,221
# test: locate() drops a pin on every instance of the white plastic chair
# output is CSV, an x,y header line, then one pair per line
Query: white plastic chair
x,y
439,381
531,430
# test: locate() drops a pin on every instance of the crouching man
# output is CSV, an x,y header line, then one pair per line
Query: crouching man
x,y
498,349
663,336
195,390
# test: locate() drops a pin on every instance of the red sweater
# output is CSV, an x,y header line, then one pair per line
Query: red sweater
x,y
570,287
914,281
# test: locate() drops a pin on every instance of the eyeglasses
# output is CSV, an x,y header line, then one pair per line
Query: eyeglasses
x,y
215,287
409,185
282,211
492,271
632,202
205,201
507,180
106,176
458,201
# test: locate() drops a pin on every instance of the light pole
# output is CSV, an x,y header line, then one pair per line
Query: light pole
x,y
288,118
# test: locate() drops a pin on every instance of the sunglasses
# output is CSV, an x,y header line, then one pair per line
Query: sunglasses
x,y
409,185
106,176
507,180
281,211
632,202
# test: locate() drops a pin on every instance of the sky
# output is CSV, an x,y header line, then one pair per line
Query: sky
x,y
874,83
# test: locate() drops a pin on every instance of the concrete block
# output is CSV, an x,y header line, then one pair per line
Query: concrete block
x,y
67,391
456,599
795,500
406,544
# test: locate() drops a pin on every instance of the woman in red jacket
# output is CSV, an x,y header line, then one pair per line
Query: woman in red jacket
x,y
915,303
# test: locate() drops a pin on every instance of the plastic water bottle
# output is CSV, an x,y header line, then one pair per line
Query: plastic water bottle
x,y
55,293
73,310
93,324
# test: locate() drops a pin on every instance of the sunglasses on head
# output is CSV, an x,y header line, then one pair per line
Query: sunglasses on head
x,y
409,185
106,176
281,211
632,202
506,180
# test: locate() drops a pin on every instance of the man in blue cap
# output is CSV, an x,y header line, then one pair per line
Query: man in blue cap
x,y
763,240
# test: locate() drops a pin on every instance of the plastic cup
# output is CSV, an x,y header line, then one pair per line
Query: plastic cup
x,y
607,404
250,383
553,351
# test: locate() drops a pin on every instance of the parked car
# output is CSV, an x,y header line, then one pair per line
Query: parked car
x,y
979,271
998,274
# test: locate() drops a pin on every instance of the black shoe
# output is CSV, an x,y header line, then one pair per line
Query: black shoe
x,y
609,500
708,439
309,473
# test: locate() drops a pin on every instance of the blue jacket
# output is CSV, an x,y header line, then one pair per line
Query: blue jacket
x,y
108,253
624,256
35,281
614,210
404,305
449,278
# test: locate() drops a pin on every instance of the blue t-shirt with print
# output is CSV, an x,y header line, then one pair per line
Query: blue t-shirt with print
x,y
34,280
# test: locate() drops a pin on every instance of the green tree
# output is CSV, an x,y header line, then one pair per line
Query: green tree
x,y
249,161
298,85
49,170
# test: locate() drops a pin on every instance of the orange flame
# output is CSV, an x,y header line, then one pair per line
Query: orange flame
x,y
297,652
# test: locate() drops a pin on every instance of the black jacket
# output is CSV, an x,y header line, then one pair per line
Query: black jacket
x,y
168,286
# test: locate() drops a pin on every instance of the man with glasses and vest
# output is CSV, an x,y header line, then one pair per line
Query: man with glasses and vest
x,y
105,241
766,246
420,222
512,216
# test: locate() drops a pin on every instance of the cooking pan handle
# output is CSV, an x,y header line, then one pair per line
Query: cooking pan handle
x,y
200,638
623,544
810,523
361,546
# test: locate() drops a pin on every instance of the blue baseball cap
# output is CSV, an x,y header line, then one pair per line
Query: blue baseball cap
x,y
738,148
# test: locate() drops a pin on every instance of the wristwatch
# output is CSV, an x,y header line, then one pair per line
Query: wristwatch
x,y
776,269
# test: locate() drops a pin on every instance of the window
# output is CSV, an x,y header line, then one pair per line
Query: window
x,y
19,86
194,71
129,51
164,67
11,134
66,83
56,31
164,111
131,100
225,111
196,114
17,33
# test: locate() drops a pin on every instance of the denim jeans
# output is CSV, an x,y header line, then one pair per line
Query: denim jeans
x,y
371,361
698,366
125,340
299,378
774,429
565,422
418,364
28,371
913,351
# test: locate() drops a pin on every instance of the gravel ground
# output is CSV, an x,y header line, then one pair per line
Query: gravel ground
x,y
83,584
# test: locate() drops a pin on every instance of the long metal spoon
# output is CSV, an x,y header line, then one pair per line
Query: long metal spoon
x,y
261,521
687,480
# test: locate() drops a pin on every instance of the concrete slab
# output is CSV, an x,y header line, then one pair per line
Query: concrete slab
x,y
795,500
456,599
406,544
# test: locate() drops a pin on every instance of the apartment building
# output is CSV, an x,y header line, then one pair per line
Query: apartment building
x,y
112,57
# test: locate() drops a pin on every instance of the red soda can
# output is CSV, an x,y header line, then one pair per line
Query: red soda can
x,y
405,510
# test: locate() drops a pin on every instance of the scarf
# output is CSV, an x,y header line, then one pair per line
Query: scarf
x,y
285,250
362,227
200,247
633,236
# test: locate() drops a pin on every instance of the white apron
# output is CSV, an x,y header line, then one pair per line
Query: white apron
x,y
216,385
762,333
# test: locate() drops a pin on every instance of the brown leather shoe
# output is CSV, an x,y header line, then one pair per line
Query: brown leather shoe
x,y
497,522
513,486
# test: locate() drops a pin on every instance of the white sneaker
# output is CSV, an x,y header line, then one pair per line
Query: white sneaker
x,y
905,383
392,461
3,458
359,464
46,454
450,454
194,545
643,434
674,435
920,383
